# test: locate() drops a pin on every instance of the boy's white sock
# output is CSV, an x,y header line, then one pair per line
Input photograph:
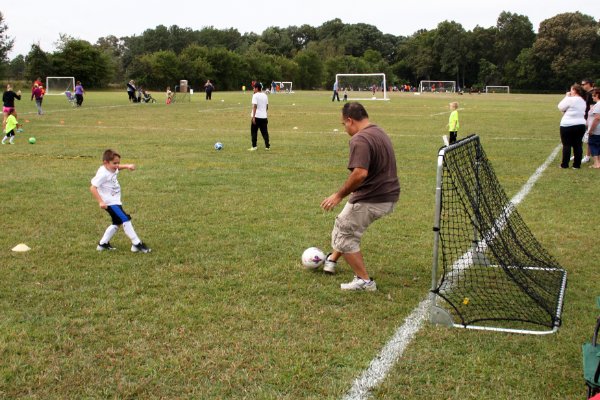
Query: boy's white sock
x,y
109,233
130,232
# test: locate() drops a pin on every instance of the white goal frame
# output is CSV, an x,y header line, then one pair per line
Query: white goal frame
x,y
61,91
352,94
422,85
290,84
489,89
283,84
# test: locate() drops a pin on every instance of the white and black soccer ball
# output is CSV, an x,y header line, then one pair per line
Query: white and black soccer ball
x,y
312,258
218,146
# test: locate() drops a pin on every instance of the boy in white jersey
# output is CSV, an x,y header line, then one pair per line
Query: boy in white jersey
x,y
107,191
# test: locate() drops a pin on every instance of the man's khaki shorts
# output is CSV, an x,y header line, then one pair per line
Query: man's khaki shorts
x,y
353,221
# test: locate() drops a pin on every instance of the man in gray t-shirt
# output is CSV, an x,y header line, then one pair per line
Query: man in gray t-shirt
x,y
373,187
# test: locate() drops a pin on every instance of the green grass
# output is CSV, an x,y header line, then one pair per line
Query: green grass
x,y
221,307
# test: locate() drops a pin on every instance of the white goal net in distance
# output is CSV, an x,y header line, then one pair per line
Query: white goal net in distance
x,y
497,89
362,86
281,87
437,87
59,84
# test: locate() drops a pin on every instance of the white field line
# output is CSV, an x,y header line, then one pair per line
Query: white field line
x,y
392,351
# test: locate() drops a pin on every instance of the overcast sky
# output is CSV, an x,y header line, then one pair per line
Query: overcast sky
x,y
43,21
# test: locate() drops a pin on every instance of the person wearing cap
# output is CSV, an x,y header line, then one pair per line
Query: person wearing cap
x,y
260,105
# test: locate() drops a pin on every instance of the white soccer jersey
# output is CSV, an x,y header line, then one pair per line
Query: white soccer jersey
x,y
261,100
108,186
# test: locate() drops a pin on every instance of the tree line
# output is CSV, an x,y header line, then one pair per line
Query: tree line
x,y
565,49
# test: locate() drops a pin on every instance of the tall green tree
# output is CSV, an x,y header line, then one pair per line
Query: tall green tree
x,y
567,44
86,63
449,46
6,45
37,64
310,69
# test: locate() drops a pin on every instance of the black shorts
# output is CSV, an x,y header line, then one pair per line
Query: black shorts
x,y
118,215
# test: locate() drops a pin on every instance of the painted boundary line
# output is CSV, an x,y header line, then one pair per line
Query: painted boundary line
x,y
394,348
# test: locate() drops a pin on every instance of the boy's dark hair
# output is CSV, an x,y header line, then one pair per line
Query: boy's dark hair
x,y
110,155
354,110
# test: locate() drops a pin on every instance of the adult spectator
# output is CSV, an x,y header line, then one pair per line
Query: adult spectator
x,y
587,85
38,94
336,95
572,125
593,124
131,91
208,88
79,93
8,101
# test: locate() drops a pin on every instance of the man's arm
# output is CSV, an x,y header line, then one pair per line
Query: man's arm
x,y
355,179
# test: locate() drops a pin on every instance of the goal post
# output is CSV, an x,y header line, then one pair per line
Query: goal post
x,y
286,87
59,84
437,86
497,89
489,272
372,86
281,87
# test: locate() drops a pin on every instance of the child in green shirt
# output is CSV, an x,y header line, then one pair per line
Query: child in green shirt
x,y
453,124
12,126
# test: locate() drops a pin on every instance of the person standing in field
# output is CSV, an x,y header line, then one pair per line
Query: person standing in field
x,y
336,95
572,125
79,93
8,101
107,191
587,85
593,130
453,124
260,105
373,187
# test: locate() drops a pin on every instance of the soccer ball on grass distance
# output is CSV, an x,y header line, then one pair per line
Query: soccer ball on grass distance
x,y
32,140
312,258
218,146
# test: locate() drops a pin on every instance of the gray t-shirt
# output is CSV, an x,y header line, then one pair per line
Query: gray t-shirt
x,y
372,150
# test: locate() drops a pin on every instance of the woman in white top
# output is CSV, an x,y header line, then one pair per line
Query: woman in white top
x,y
572,125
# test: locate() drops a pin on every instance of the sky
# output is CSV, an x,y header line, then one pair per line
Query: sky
x,y
43,21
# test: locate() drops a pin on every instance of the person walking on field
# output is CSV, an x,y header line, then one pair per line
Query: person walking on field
x,y
260,105
106,190
336,95
79,93
38,95
373,187
208,88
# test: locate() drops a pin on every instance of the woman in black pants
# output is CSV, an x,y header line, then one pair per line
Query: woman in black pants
x,y
572,125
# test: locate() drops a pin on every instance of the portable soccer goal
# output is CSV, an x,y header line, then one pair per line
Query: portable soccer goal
x,y
437,86
497,89
362,86
59,85
489,272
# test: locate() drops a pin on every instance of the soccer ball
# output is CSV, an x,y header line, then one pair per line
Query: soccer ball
x,y
218,146
312,258
32,140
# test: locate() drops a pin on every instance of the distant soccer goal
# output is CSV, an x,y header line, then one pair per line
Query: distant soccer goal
x,y
59,84
437,87
362,86
497,89
283,87
489,272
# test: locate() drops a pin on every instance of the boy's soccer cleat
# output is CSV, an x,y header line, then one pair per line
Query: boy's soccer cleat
x,y
329,265
105,246
359,284
140,247
19,130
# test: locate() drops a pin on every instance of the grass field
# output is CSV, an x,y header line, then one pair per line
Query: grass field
x,y
221,308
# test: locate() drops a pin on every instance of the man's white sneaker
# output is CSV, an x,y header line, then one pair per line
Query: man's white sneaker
x,y
585,159
253,149
359,284
329,265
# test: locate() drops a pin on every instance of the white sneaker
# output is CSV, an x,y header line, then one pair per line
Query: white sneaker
x,y
572,158
253,149
359,284
329,265
585,159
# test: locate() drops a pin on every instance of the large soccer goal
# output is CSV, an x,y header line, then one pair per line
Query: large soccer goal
x,y
362,86
489,271
437,86
497,89
284,87
59,84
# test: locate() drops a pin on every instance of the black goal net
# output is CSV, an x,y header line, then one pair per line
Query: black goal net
x,y
489,271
